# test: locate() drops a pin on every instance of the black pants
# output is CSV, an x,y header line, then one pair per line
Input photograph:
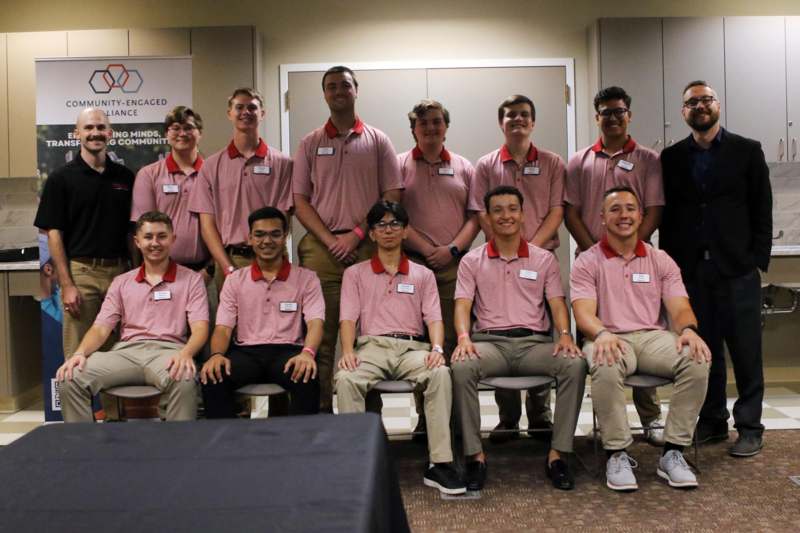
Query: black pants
x,y
729,311
260,364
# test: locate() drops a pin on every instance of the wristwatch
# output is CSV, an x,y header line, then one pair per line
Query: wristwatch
x,y
454,250
565,332
437,348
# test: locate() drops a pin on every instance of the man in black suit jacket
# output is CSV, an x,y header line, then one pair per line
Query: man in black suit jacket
x,y
717,226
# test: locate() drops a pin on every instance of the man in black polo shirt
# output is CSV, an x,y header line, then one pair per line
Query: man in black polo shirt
x,y
84,211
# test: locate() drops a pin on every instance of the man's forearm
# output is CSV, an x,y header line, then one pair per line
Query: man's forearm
x,y
311,220
213,240
560,315
650,222
576,228
417,243
436,333
467,233
347,333
548,230
221,339
197,339
55,245
93,340
461,320
314,330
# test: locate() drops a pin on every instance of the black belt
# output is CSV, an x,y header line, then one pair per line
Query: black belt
x,y
101,261
404,336
197,267
243,250
515,332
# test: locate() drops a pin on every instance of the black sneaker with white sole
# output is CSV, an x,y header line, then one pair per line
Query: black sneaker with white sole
x,y
444,477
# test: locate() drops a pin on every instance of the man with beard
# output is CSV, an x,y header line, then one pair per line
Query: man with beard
x,y
717,226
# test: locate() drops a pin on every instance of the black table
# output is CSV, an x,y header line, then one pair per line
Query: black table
x,y
306,473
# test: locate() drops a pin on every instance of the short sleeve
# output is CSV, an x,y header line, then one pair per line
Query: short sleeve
x,y
313,302
582,283
113,307
465,281
431,307
350,302
228,308
197,300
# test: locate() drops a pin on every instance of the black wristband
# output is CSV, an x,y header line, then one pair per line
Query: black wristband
x,y
216,353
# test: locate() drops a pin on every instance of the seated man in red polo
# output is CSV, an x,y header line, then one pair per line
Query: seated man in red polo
x,y
619,289
391,300
156,305
267,304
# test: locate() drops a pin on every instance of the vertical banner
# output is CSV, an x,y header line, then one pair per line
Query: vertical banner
x,y
136,94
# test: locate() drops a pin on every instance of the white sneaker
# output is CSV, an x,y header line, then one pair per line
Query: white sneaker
x,y
673,467
654,435
619,472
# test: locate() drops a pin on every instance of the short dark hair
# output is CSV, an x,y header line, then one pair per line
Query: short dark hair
x,y
696,83
153,217
181,115
246,91
515,99
265,213
500,191
423,107
337,69
622,188
611,93
377,212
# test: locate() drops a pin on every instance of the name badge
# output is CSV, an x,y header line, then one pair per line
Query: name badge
x,y
171,188
446,171
325,150
288,307
625,165
641,278
530,171
406,288
162,295
529,274
262,169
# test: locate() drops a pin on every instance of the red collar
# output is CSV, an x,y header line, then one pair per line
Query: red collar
x,y
173,168
283,273
522,251
609,252
505,155
331,131
377,266
417,154
261,151
169,275
630,144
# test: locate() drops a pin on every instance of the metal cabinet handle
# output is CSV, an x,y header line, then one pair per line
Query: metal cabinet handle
x,y
655,144
794,148
670,142
778,236
780,149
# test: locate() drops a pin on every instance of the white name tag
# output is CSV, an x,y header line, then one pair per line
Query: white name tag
x,y
529,274
625,165
530,171
641,278
446,171
406,288
262,169
325,150
288,307
162,295
171,188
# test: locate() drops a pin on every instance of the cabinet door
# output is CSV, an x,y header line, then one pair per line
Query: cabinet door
x,y
694,49
755,79
631,57
793,86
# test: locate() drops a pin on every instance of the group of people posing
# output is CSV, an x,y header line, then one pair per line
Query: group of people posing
x,y
387,267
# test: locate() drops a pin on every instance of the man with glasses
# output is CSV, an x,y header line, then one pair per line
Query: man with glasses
x,y
237,180
390,301
267,305
614,160
718,228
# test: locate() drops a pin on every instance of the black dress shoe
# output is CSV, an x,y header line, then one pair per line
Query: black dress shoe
x,y
747,445
475,475
503,432
559,474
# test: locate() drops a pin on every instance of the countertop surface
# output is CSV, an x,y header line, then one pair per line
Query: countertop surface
x,y
20,265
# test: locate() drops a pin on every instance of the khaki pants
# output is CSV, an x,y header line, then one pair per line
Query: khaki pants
x,y
129,363
649,352
315,256
524,356
385,358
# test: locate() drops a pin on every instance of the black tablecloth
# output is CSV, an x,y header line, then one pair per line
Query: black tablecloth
x,y
312,473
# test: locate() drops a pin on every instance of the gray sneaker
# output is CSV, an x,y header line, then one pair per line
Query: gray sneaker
x,y
619,473
673,467
654,435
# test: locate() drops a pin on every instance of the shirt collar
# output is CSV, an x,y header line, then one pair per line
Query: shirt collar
x,y
283,273
522,251
627,148
417,154
377,266
261,150
169,275
173,168
331,131
609,252
505,154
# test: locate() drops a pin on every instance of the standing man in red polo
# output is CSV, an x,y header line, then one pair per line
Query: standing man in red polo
x,y
505,284
236,181
619,289
156,305
539,175
340,170
166,186
267,304
616,160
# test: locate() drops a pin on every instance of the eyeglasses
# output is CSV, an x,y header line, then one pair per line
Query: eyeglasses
x,y
617,112
185,128
276,235
383,226
693,103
